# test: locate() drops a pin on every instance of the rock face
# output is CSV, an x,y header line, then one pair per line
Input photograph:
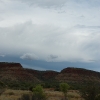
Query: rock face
x,y
80,71
78,75
5,65
15,72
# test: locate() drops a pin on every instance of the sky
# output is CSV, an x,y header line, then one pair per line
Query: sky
x,y
50,34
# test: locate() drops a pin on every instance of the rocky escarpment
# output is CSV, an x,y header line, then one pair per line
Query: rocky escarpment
x,y
80,71
72,74
6,65
15,72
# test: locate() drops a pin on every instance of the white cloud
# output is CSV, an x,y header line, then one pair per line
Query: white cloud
x,y
29,56
2,55
70,33
74,44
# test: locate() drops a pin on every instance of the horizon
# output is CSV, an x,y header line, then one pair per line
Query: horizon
x,y
50,69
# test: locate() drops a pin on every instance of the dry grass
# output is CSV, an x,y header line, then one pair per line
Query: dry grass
x,y
56,95
12,94
52,95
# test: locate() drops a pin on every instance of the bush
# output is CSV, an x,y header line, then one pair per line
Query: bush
x,y
2,90
38,93
2,85
90,92
64,88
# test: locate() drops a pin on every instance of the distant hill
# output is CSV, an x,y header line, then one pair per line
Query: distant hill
x,y
15,72
72,74
43,75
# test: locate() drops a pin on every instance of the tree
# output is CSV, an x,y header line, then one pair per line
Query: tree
x,y
2,87
38,93
64,88
90,92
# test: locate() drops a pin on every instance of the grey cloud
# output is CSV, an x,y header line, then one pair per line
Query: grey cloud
x,y
53,56
29,56
84,26
1,18
69,33
45,3
91,60
89,3
46,40
82,16
1,1
2,55
60,3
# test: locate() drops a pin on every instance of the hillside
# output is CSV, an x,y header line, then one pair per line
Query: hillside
x,y
15,72
72,74
43,75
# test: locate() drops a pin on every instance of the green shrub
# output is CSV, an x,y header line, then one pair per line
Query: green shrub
x,y
2,85
2,90
64,88
38,93
90,92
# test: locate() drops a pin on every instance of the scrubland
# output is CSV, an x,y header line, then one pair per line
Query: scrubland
x,y
9,94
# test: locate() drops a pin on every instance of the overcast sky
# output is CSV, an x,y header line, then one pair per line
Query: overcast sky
x,y
50,34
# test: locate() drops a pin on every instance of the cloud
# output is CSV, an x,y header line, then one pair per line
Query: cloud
x,y
1,19
29,56
45,3
62,3
1,1
2,55
53,56
91,60
71,44
16,12
69,36
84,26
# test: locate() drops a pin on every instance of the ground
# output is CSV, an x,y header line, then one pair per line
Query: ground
x,y
51,94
